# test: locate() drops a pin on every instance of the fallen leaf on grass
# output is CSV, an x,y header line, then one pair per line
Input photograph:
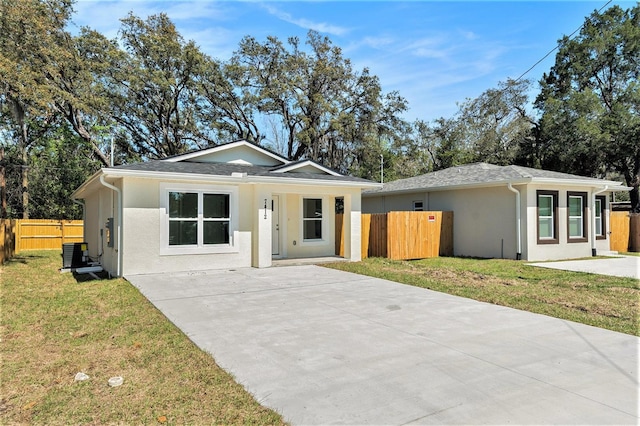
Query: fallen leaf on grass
x,y
29,406
162,419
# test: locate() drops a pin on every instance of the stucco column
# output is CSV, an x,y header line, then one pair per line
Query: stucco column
x,y
261,251
352,227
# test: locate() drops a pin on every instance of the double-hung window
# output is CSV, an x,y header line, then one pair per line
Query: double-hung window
x,y
576,216
547,217
418,206
197,219
600,221
312,217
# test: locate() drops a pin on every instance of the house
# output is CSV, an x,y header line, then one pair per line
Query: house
x,y
508,211
231,206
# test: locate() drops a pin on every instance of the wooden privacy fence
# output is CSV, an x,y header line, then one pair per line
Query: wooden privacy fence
x,y
402,235
625,231
40,234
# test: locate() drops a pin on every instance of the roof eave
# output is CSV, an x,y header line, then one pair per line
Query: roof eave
x,y
612,185
240,178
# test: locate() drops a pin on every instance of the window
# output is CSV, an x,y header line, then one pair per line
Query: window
x,y
197,219
418,206
547,217
576,213
312,218
188,227
600,222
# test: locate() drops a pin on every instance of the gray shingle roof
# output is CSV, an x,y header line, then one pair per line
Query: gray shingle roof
x,y
226,169
478,174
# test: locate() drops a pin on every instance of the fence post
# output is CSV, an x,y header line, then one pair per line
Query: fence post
x,y
634,232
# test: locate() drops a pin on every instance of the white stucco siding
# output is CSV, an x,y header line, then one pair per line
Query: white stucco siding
x,y
563,249
91,225
241,155
101,205
484,221
143,219
394,202
296,246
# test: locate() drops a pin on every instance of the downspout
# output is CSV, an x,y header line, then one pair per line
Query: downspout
x,y
119,211
84,218
518,221
593,218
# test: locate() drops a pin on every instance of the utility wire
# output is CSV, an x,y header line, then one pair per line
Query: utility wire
x,y
557,46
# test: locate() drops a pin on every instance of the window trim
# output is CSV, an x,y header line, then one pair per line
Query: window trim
x,y
603,217
200,248
421,209
554,208
585,228
324,221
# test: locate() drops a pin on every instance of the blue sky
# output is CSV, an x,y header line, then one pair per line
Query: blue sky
x,y
435,54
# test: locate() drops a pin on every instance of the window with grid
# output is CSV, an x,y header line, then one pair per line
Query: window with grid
x,y
576,214
312,219
198,218
547,217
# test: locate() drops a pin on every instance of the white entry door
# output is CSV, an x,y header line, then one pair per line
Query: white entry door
x,y
275,225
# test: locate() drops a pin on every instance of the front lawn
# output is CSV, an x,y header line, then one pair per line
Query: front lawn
x,y
602,301
53,327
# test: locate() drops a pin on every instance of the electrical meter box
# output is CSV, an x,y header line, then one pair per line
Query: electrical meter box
x,y
109,230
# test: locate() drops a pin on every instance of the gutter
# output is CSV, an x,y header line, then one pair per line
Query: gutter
x,y
119,231
518,221
593,218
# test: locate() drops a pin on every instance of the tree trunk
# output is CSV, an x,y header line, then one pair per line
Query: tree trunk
x,y
3,186
25,173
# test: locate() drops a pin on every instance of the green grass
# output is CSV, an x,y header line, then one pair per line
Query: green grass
x,y
598,300
53,326
630,253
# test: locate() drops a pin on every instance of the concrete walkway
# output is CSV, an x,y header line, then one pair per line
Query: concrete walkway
x,y
328,347
622,266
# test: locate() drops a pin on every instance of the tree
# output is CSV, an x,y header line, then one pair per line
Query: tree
x,y
29,45
154,92
330,113
495,123
590,100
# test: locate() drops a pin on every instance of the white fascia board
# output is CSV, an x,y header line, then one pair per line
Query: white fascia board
x,y
77,194
239,178
313,164
448,187
613,186
225,147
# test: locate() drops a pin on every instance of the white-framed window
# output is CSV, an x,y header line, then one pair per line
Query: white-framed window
x,y
312,219
600,220
547,206
576,213
418,206
197,218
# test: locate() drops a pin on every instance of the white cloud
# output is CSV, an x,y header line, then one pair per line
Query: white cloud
x,y
322,27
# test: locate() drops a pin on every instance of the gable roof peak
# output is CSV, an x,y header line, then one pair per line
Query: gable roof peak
x,y
209,154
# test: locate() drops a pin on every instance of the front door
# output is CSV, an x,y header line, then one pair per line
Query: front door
x,y
275,225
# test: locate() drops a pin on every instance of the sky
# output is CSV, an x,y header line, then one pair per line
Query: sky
x,y
436,54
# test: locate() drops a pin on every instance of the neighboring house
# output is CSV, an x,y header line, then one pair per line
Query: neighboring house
x,y
508,211
234,205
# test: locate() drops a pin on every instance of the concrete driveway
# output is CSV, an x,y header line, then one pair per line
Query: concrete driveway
x,y
328,347
622,266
